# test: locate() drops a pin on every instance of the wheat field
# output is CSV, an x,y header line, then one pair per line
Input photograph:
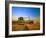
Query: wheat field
x,y
21,26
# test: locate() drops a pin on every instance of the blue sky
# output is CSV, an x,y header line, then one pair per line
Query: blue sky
x,y
26,11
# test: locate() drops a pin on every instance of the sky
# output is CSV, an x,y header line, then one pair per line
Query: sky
x,y
26,12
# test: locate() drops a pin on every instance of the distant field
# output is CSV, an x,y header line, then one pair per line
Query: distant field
x,y
20,26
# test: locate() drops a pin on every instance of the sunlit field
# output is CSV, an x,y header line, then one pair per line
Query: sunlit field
x,y
21,25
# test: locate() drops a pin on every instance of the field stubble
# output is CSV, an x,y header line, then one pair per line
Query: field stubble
x,y
17,26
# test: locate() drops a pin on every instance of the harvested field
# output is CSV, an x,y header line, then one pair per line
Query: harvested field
x,y
20,26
